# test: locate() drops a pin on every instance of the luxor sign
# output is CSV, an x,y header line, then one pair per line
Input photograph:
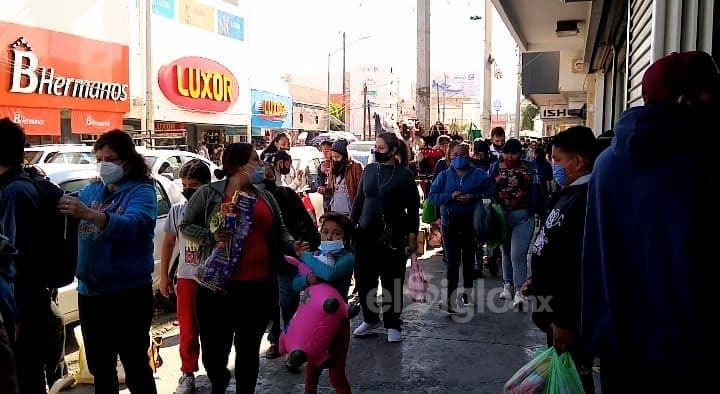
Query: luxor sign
x,y
274,111
198,83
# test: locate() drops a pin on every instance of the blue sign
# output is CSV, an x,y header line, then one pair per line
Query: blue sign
x,y
164,8
497,105
230,25
270,110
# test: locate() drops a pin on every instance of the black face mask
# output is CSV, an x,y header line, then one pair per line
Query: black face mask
x,y
383,157
284,170
188,192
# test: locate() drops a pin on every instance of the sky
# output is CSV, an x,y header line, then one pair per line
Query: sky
x,y
295,36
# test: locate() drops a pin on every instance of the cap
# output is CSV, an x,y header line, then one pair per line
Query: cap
x,y
340,146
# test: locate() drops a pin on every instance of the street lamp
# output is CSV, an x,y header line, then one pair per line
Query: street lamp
x,y
327,127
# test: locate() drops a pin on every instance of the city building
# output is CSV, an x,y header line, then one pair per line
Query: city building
x,y
309,108
383,92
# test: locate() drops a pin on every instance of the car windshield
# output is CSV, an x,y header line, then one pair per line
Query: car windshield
x,y
73,158
361,146
32,157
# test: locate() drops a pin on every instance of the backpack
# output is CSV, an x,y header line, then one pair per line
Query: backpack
x,y
57,256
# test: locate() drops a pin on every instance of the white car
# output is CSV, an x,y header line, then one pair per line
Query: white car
x,y
167,163
73,178
60,154
362,151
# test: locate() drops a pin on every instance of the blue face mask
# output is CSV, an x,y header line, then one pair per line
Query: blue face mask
x,y
258,176
331,247
460,162
559,174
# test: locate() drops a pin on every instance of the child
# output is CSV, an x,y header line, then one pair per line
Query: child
x,y
333,264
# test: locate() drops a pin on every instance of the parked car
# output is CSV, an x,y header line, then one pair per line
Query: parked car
x,y
60,153
167,163
73,178
362,151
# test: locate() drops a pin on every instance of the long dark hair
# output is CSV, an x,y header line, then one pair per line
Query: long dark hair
x,y
136,169
402,152
272,148
234,157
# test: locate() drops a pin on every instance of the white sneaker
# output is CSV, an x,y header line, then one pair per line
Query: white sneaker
x,y
520,301
394,335
507,292
186,385
364,329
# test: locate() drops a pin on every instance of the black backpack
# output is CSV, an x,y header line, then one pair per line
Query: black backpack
x,y
57,248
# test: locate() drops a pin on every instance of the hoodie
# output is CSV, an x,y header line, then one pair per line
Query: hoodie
x,y
648,257
119,256
475,182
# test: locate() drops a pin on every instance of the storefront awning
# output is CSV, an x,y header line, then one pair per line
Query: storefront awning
x,y
35,121
95,122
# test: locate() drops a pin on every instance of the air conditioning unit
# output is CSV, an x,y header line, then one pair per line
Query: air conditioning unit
x,y
567,28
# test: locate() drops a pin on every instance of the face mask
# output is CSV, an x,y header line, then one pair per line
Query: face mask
x,y
258,175
110,173
460,162
331,247
284,170
511,163
559,174
382,157
188,192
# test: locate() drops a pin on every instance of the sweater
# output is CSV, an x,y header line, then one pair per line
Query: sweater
x,y
337,275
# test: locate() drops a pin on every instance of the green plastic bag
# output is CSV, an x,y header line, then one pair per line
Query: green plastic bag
x,y
429,212
498,230
564,377
532,377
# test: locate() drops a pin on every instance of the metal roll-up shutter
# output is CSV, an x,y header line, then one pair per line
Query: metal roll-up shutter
x,y
639,48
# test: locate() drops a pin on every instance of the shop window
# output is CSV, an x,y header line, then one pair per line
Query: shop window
x,y
301,118
317,119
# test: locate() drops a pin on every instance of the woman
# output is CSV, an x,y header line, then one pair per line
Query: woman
x,y
457,190
115,264
342,184
246,306
446,145
385,213
518,192
280,142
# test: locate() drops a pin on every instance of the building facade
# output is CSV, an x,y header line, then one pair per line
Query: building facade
x,y
309,111
383,92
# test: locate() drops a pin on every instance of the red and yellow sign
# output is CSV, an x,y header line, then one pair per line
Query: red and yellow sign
x,y
198,83
49,69
94,122
272,110
35,121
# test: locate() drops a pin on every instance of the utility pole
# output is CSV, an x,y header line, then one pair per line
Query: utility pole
x,y
444,92
518,110
327,127
437,90
422,94
345,93
365,109
487,84
149,115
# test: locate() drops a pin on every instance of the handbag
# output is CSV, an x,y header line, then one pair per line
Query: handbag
x,y
389,236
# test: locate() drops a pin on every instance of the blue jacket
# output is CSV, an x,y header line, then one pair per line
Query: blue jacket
x,y
650,244
475,182
338,275
119,256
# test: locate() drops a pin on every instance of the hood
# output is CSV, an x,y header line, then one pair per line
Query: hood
x,y
646,136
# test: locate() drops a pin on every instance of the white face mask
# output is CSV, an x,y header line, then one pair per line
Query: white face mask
x,y
110,173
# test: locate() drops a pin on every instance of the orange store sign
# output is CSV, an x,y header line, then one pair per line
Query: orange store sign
x,y
199,84
49,69
35,121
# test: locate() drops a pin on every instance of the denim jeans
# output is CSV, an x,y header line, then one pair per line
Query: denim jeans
x,y
520,228
289,301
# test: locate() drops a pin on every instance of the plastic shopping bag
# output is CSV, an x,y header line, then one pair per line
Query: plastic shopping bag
x,y
417,283
429,212
564,377
532,377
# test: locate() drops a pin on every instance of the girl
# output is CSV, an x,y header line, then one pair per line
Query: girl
x,y
334,264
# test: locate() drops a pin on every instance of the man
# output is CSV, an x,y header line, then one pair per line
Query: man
x,y
648,268
556,256
39,330
497,138
283,168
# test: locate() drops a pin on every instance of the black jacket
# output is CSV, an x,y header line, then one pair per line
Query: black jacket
x,y
556,259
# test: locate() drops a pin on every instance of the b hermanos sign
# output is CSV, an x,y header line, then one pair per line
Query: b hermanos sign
x,y
198,83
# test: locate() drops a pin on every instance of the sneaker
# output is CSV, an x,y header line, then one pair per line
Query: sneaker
x,y
507,292
272,351
364,329
520,301
467,299
445,306
186,385
394,336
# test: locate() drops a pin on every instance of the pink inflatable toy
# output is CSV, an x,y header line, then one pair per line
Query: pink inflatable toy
x,y
315,324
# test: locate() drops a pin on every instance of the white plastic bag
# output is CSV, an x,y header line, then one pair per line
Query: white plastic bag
x,y
417,282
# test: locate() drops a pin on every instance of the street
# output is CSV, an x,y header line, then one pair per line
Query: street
x,y
438,354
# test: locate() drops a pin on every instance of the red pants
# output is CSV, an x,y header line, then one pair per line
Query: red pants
x,y
189,333
338,358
